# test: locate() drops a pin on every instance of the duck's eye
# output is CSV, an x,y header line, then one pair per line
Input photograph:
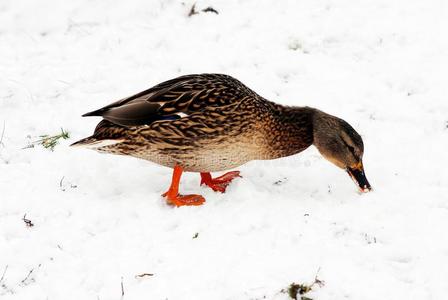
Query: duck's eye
x,y
352,150
350,147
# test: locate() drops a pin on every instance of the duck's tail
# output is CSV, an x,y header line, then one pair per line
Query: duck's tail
x,y
93,143
106,134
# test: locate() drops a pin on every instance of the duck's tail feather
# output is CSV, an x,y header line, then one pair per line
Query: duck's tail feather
x,y
93,143
106,134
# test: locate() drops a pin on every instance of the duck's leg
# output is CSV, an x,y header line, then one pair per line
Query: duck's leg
x,y
172,195
219,184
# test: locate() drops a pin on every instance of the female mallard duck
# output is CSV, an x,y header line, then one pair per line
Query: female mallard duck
x,y
212,122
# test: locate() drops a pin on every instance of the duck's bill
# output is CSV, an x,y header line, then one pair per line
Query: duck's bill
x,y
359,177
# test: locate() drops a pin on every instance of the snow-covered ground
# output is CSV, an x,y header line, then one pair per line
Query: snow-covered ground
x,y
99,220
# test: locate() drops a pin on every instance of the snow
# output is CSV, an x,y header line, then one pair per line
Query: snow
x,y
99,220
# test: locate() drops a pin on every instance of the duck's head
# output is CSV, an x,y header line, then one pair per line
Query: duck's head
x,y
339,143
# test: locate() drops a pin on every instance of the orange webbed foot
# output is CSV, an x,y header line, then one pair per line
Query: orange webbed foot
x,y
219,184
182,200
174,198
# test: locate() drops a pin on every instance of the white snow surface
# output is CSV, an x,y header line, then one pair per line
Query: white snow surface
x,y
99,220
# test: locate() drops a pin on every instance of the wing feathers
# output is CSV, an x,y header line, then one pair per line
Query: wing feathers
x,y
132,113
175,98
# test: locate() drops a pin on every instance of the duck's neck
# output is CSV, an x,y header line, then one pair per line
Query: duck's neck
x,y
292,130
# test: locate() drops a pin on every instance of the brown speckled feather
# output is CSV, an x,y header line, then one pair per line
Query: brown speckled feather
x,y
182,95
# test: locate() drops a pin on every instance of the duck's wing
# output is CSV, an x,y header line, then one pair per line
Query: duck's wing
x,y
176,98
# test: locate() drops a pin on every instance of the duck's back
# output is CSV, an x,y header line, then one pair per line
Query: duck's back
x,y
176,98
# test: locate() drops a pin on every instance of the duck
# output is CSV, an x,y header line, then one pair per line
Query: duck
x,y
208,123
